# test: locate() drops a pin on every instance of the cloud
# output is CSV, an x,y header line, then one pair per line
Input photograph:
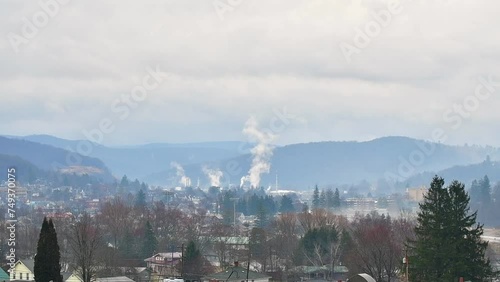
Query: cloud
x,y
261,56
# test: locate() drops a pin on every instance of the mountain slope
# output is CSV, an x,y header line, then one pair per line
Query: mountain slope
x,y
138,161
303,165
50,158
463,173
25,171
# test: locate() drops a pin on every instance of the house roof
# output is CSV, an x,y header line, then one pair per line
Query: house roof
x,y
29,263
138,270
318,269
67,275
3,275
164,257
363,277
115,279
236,274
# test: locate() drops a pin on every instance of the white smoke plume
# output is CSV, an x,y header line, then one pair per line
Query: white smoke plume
x,y
183,179
214,175
244,179
262,152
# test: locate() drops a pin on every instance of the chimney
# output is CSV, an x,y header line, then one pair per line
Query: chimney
x,y
236,264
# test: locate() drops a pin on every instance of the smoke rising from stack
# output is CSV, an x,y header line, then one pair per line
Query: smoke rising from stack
x,y
214,175
262,152
183,179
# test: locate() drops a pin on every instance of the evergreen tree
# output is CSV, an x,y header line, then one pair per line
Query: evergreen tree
x,y
192,261
485,191
496,195
259,249
322,199
227,208
47,266
262,214
329,198
286,205
448,244
124,182
140,200
315,199
136,185
150,243
316,245
336,198
475,192
127,246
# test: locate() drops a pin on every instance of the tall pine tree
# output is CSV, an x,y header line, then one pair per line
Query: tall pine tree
x,y
322,199
315,199
194,265
150,243
286,204
336,198
448,244
47,259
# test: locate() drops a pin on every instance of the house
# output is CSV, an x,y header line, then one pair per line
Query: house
x,y
71,277
23,270
416,194
236,274
4,277
138,274
164,264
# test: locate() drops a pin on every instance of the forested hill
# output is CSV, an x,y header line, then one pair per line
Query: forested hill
x,y
301,166
52,159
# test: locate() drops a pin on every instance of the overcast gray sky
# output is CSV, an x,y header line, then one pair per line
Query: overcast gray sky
x,y
223,61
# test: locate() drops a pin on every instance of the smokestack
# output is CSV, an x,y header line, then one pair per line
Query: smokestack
x,y
277,181
214,175
184,180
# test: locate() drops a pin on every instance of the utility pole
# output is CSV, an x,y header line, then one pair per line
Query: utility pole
x,y
234,210
407,264
182,261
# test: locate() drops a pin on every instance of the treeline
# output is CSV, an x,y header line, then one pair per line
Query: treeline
x,y
326,199
486,200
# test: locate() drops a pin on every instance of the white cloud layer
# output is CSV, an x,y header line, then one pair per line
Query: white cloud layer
x,y
262,56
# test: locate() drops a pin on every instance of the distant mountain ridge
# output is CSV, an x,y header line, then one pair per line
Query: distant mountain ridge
x,y
50,158
463,173
140,160
298,166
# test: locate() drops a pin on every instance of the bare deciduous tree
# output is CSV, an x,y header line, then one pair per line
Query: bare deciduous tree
x,y
376,250
85,241
115,216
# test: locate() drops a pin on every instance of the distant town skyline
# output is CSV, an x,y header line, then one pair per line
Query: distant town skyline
x,y
195,71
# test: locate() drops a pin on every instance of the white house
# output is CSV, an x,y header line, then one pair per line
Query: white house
x,y
24,271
